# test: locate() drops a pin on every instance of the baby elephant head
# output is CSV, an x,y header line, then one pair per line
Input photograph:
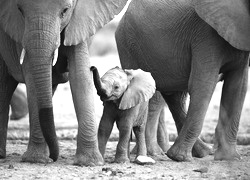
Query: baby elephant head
x,y
128,87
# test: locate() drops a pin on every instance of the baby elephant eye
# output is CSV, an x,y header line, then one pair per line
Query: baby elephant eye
x,y
116,87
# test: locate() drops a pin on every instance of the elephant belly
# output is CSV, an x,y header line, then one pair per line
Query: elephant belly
x,y
170,67
159,42
169,80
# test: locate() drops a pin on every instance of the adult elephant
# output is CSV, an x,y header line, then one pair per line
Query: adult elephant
x,y
186,45
32,34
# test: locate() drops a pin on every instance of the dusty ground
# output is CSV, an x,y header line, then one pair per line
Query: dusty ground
x,y
12,168
66,125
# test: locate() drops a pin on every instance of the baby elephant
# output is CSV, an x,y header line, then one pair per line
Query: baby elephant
x,y
125,95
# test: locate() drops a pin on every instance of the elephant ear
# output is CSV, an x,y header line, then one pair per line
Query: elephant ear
x,y
11,20
140,89
88,17
230,18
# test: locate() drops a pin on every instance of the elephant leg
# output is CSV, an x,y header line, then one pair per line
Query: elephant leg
x,y
201,85
18,103
156,104
233,95
124,126
162,133
105,128
141,155
177,105
181,149
7,87
140,140
82,88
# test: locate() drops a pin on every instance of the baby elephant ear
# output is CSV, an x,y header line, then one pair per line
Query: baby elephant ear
x,y
140,89
230,18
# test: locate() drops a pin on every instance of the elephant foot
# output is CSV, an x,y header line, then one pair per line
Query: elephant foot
x,y
178,152
2,154
121,159
201,149
37,153
224,149
229,154
164,146
153,149
142,160
90,157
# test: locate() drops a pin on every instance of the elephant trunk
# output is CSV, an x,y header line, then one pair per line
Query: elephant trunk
x,y
42,80
40,47
98,83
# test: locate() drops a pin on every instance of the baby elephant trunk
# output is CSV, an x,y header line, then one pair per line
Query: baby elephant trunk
x,y
98,83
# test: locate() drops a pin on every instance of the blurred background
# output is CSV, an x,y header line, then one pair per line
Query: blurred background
x,y
104,56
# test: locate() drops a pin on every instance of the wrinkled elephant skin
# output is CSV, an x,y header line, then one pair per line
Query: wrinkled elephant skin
x,y
44,43
186,45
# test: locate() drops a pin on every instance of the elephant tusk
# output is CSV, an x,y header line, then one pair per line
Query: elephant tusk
x,y
22,56
55,57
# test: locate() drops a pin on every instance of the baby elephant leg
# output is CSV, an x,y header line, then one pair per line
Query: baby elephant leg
x,y
105,128
141,155
122,149
140,140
